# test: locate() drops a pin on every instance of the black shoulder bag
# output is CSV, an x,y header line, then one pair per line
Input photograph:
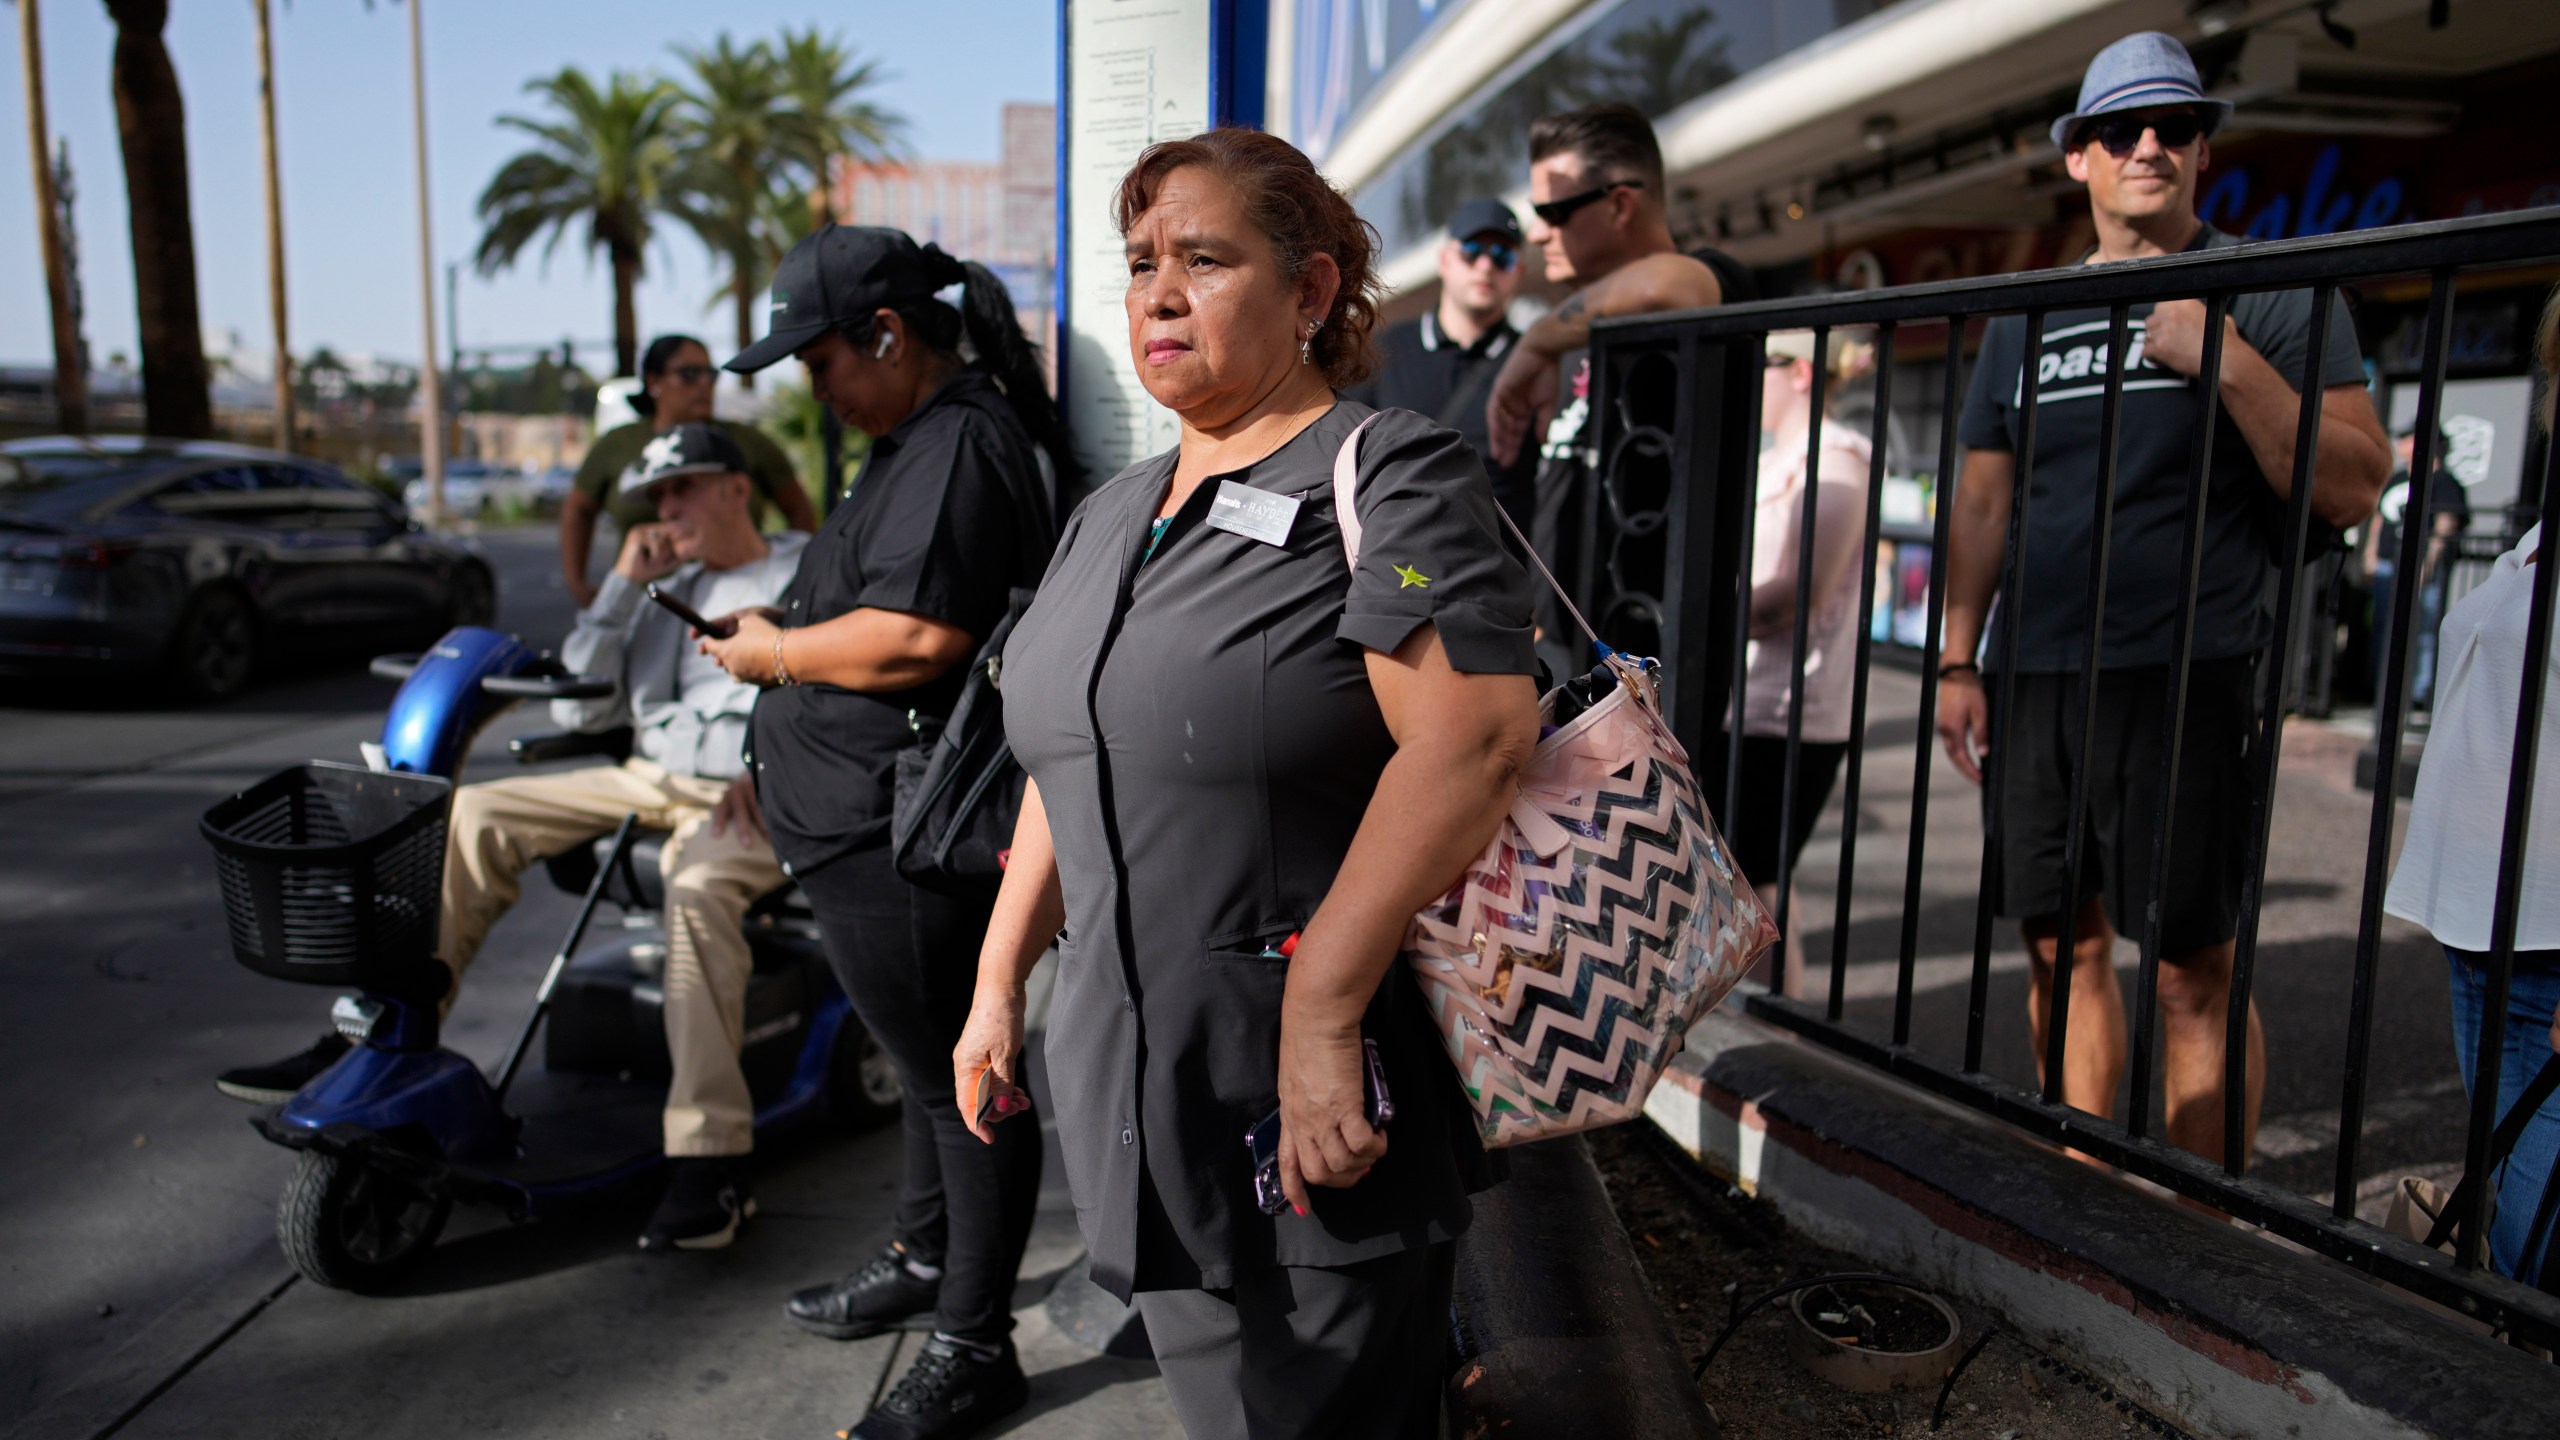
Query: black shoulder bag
x,y
958,788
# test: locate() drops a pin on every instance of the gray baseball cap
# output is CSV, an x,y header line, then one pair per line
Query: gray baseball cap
x,y
2136,73
838,276
695,449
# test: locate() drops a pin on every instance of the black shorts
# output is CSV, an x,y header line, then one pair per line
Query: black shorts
x,y
1752,828
2200,903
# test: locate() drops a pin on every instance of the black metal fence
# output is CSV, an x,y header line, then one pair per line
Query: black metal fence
x,y
1660,555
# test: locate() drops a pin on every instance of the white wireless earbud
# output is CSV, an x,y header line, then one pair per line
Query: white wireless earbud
x,y
881,350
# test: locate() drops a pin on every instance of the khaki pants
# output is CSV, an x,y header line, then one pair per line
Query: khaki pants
x,y
500,827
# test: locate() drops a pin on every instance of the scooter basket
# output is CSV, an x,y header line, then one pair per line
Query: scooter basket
x,y
331,875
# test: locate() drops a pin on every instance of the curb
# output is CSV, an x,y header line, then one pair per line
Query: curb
x,y
2208,1323
1557,1331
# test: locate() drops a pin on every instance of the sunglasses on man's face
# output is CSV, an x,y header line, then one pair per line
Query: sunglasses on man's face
x,y
1556,212
2122,134
1504,254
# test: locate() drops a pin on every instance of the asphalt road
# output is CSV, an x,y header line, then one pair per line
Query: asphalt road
x,y
141,1289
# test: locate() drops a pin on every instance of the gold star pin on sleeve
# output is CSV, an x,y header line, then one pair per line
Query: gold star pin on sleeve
x,y
1412,578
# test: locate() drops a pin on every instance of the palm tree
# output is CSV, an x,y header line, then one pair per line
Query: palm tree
x,y
601,159
275,223
733,124
70,373
825,81
151,121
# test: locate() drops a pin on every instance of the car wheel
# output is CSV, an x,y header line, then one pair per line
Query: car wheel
x,y
215,649
475,597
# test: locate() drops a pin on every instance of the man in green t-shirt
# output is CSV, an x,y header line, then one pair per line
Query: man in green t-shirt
x,y
675,389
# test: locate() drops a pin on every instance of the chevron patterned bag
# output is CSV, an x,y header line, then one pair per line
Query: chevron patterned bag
x,y
1603,920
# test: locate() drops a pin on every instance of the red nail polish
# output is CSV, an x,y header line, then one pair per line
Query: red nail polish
x,y
1301,1209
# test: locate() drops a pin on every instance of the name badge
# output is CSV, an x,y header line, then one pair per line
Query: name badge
x,y
1254,514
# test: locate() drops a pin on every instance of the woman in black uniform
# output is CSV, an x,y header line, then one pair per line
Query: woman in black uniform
x,y
1236,742
894,593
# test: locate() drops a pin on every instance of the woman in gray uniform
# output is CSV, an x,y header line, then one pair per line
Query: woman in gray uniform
x,y
1250,766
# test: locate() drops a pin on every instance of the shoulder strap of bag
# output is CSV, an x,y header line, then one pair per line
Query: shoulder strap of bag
x,y
2501,1144
1346,485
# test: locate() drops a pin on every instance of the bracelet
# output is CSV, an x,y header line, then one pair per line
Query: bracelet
x,y
781,672
1952,666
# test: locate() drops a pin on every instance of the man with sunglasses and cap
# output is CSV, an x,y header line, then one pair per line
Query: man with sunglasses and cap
x,y
2139,140
1442,362
688,719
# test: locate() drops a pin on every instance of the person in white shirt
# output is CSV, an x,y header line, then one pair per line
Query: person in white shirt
x,y
688,718
2447,876
1754,828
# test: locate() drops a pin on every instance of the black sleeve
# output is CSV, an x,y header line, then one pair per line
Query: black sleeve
x,y
2278,327
1431,551
1990,398
945,540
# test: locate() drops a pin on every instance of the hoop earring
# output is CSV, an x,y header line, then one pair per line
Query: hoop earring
x,y
1307,345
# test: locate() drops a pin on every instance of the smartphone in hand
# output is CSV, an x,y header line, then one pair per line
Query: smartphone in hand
x,y
716,629
987,1090
1262,1142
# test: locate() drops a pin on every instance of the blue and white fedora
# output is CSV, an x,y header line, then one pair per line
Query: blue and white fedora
x,y
2137,72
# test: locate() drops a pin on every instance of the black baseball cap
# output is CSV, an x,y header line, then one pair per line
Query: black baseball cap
x,y
839,276
694,449
1484,217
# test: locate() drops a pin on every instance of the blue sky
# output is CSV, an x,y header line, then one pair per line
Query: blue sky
x,y
342,96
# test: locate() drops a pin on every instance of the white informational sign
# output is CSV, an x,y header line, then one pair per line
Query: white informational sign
x,y
1137,73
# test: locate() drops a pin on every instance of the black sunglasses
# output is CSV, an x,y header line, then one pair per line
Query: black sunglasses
x,y
691,374
2122,134
1556,212
1504,253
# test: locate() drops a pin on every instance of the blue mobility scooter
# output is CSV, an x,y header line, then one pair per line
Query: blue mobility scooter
x,y
330,875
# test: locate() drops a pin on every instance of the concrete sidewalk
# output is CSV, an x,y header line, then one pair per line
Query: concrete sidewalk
x,y
565,1330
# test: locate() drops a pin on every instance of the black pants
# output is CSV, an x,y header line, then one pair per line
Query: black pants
x,y
908,959
1298,1352
1753,829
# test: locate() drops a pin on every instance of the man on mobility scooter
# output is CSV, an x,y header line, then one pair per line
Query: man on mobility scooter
x,y
688,719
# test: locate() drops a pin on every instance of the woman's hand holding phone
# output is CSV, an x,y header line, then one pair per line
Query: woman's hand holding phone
x,y
987,1063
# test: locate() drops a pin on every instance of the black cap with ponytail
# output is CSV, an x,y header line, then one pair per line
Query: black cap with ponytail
x,y
997,348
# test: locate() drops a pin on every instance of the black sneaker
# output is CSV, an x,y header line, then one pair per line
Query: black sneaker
x,y
706,1203
276,1081
953,1389
871,1300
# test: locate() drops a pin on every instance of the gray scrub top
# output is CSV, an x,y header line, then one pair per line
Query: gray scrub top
x,y
1205,741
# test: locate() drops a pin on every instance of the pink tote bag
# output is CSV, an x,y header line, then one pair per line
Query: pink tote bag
x,y
1603,920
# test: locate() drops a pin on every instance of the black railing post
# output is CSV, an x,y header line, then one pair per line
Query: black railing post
x,y
1925,744
1870,537
1808,516
2102,526
2253,881
1717,438
2013,576
2146,987
2474,1227
2390,705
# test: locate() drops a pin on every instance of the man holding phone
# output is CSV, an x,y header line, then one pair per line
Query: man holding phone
x,y
688,720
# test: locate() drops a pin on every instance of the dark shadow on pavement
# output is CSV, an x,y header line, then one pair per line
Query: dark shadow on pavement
x,y
1058,1389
